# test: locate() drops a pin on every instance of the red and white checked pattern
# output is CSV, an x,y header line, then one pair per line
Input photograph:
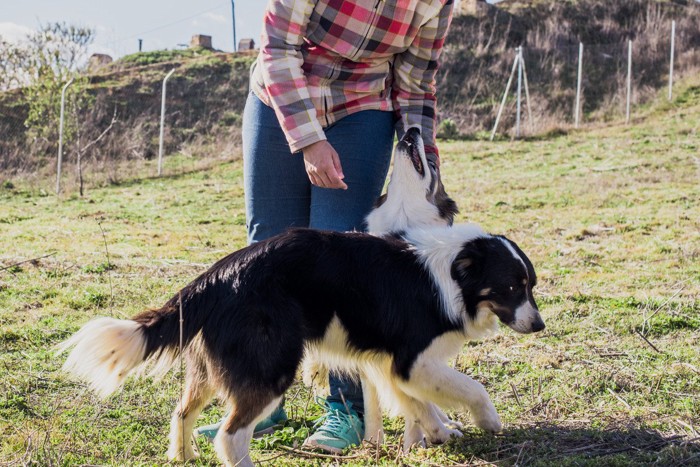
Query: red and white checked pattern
x,y
322,60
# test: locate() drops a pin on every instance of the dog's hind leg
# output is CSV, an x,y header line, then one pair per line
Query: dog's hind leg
x,y
232,443
432,380
374,430
315,374
412,435
198,392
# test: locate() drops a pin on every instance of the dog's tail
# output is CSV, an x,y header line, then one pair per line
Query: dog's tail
x,y
106,350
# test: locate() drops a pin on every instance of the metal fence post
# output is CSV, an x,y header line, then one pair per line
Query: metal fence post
x,y
527,97
505,96
670,73
629,80
520,91
162,122
577,108
60,136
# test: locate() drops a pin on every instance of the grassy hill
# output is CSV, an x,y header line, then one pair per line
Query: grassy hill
x,y
609,216
207,91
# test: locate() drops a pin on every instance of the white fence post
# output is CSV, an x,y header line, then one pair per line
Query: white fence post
x,y
670,73
577,108
520,91
162,122
60,136
505,96
629,80
527,97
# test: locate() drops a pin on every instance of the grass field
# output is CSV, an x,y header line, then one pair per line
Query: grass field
x,y
610,217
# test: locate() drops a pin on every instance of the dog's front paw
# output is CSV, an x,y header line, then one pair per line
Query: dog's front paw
x,y
453,424
442,435
490,422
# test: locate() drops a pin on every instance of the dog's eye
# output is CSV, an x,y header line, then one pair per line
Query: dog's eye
x,y
515,288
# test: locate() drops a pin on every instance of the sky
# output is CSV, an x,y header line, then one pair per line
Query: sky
x,y
118,24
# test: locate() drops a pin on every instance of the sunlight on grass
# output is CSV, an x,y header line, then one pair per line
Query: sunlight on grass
x,y
609,217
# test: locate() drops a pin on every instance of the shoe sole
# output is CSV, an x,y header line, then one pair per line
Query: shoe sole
x,y
266,431
322,447
257,434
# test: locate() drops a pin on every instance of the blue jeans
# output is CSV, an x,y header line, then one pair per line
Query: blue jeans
x,y
279,195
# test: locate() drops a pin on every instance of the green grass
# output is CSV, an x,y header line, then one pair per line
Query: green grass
x,y
160,56
610,217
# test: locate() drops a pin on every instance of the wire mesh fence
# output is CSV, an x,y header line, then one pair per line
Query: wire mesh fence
x,y
121,123
552,76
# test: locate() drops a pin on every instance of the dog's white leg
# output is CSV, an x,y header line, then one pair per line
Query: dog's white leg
x,y
374,429
232,442
180,446
315,374
432,380
426,420
196,396
438,426
447,421
413,435
232,448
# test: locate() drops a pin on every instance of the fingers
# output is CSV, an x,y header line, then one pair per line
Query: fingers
x,y
323,166
338,168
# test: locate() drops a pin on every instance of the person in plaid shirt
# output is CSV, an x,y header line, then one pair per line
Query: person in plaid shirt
x,y
332,84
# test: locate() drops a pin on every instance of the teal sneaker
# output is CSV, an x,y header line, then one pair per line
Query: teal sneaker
x,y
266,426
337,430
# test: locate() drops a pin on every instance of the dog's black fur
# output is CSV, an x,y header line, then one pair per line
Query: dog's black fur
x,y
256,300
367,300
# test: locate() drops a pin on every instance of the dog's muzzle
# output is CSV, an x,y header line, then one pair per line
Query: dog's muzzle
x,y
409,147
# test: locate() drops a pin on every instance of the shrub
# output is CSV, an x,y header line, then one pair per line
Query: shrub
x,y
447,129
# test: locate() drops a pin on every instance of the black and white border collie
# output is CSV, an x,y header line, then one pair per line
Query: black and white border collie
x,y
392,309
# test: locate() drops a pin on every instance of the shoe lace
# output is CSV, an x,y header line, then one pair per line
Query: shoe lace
x,y
338,422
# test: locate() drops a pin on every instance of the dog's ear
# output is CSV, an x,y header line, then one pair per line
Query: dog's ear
x,y
448,209
468,262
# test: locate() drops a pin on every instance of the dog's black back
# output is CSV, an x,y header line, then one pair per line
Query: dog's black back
x,y
272,296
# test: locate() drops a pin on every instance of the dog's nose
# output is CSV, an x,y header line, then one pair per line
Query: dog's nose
x,y
413,132
538,325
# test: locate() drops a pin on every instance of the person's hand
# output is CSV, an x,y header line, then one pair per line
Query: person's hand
x,y
323,165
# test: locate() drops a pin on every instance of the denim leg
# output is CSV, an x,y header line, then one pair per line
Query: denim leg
x,y
277,189
278,193
364,142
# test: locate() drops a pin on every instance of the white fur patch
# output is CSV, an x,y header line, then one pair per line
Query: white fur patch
x,y
432,380
334,352
406,205
106,351
524,317
437,248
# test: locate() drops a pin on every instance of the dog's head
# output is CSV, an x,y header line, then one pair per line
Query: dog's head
x,y
495,276
415,196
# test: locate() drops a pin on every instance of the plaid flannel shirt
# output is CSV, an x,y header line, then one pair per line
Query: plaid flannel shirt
x,y
321,60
